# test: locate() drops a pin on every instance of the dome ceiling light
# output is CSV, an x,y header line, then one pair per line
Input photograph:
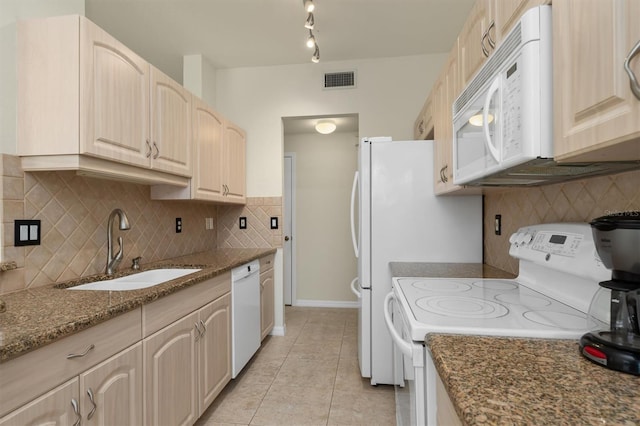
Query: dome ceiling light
x,y
325,127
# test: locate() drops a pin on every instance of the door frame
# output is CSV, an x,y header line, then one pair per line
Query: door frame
x,y
292,157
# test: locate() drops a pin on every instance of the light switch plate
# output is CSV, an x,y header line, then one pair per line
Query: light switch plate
x,y
26,233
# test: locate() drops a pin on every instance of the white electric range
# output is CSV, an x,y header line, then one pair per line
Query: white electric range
x,y
559,274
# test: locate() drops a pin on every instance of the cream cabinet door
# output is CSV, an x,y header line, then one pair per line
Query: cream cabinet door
x,y
52,408
234,158
170,125
267,309
111,392
473,48
170,383
597,117
114,98
214,349
208,128
505,14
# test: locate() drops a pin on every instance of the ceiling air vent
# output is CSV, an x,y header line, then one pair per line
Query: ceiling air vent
x,y
338,80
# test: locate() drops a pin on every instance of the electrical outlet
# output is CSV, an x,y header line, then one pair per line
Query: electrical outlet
x,y
243,222
498,224
178,225
26,233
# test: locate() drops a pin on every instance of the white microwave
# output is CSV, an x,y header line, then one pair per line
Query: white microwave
x,y
503,118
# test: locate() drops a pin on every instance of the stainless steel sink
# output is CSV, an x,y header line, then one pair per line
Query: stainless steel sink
x,y
136,281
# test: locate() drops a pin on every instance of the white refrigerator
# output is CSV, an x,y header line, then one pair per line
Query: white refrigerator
x,y
396,217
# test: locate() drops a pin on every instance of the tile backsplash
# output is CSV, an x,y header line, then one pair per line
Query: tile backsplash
x,y
574,201
74,211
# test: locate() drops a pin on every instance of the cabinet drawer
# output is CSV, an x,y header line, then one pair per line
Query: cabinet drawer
x,y
164,311
266,263
24,378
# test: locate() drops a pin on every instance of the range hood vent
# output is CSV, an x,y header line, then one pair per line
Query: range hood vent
x,y
340,80
543,171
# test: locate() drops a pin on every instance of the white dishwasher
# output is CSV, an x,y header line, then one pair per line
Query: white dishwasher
x,y
245,311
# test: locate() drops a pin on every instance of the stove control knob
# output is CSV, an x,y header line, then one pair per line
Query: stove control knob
x,y
513,238
527,238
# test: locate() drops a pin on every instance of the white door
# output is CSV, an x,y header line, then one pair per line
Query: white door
x,y
289,226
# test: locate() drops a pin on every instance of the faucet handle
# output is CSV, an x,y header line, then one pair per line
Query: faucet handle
x,y
136,263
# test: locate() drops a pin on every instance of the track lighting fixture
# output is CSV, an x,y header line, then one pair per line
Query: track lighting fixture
x,y
310,24
310,21
311,41
308,5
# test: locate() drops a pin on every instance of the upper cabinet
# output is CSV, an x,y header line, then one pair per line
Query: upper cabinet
x,y
597,113
219,148
423,126
86,102
487,24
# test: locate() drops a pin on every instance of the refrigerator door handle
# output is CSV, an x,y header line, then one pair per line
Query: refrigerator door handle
x,y
354,288
356,249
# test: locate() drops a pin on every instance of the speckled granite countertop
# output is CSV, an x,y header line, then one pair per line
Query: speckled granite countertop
x,y
515,381
446,270
36,317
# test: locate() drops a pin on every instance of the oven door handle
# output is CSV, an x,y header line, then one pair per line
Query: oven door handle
x,y
404,347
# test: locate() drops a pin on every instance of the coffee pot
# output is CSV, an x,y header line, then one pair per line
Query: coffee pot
x,y
614,341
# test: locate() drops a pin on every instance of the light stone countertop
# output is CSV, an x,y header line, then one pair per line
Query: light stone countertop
x,y
39,316
516,381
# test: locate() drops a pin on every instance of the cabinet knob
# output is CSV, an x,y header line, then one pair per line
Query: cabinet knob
x,y
286,238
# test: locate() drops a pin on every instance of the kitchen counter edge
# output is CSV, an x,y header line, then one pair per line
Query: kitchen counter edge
x,y
39,316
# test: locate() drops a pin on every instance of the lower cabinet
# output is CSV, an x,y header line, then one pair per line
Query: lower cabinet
x,y
56,407
267,295
108,394
187,364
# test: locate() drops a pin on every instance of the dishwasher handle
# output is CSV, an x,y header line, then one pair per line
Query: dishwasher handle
x,y
245,270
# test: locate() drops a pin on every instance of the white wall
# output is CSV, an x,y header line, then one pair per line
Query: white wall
x,y
199,77
325,263
389,95
10,12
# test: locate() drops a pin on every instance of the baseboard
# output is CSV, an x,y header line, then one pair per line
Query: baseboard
x,y
278,331
325,304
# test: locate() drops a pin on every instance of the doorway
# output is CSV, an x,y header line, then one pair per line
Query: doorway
x,y
318,175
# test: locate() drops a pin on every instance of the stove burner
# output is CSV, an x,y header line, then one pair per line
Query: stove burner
x,y
496,284
527,300
462,307
442,286
557,319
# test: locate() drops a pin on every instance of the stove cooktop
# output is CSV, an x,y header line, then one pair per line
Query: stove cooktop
x,y
484,307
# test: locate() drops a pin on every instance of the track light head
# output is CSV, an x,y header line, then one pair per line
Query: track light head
x,y
310,22
308,5
316,55
311,41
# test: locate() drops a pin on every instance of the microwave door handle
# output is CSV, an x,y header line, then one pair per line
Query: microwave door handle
x,y
354,240
404,347
485,120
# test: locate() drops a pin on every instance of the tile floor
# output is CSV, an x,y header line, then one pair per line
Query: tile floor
x,y
308,377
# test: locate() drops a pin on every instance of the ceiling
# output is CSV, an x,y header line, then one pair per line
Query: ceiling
x,y
249,33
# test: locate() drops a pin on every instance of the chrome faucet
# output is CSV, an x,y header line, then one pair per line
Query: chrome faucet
x,y
113,262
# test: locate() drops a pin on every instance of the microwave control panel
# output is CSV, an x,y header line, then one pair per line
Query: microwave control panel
x,y
512,109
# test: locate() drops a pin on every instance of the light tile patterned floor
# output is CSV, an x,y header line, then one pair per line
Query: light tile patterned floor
x,y
308,377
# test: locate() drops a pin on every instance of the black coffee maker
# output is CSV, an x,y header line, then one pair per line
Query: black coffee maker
x,y
615,308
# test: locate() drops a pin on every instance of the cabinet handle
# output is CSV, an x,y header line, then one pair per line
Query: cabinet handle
x,y
157,150
76,409
491,42
444,173
633,81
148,149
484,49
91,347
93,402
421,127
204,327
